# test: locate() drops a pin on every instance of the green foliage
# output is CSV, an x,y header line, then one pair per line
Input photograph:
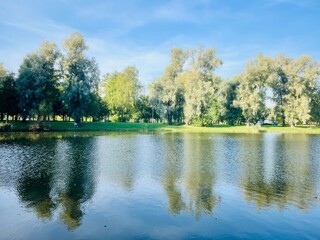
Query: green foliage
x,y
293,84
213,113
251,91
303,74
199,82
166,93
97,109
230,114
80,77
120,91
315,107
50,83
143,110
37,81
8,95
279,85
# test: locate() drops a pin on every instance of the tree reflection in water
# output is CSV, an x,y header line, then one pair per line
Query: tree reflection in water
x,y
287,180
79,182
68,180
199,174
172,174
193,169
35,182
59,174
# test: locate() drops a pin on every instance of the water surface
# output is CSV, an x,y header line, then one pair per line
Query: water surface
x,y
159,186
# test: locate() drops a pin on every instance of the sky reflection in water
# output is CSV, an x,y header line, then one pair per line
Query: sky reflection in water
x,y
163,185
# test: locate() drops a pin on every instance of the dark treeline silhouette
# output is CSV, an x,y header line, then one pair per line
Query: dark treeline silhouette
x,y
54,84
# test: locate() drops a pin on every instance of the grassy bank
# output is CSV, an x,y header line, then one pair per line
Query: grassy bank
x,y
108,126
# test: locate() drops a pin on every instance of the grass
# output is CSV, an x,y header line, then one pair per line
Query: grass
x,y
119,126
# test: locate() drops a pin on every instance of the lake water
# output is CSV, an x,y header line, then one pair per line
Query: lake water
x,y
159,186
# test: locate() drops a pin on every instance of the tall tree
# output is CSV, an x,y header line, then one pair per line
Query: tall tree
x,y
37,81
8,94
121,90
166,92
303,74
199,82
80,77
251,92
315,107
279,84
232,114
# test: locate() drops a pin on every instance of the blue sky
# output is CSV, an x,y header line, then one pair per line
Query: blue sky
x,y
140,32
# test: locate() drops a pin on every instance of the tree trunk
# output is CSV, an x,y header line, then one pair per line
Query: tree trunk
x,y
283,119
169,118
248,123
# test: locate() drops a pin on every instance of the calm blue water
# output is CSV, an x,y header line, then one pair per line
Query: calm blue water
x,y
159,186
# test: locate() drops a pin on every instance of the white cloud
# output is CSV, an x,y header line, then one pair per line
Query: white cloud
x,y
115,57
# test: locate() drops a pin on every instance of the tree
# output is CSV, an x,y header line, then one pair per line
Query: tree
x,y
120,91
251,91
97,108
303,74
143,109
80,77
199,83
232,114
3,71
315,107
279,84
166,93
8,94
37,81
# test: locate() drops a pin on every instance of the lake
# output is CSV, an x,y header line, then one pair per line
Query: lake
x,y
159,186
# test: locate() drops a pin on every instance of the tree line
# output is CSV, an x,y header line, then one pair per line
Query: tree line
x,y
54,84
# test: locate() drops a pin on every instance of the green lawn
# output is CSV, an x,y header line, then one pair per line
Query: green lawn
x,y
108,126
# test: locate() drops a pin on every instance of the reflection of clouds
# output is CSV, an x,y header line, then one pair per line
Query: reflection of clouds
x,y
270,141
160,184
118,160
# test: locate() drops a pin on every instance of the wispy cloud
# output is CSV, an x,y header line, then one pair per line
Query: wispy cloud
x,y
115,57
141,33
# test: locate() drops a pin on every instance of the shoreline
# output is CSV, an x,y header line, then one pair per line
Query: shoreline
x,y
30,127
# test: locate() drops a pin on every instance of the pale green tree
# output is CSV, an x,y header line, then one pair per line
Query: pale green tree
x,y
120,90
251,92
3,71
199,82
166,93
80,77
303,74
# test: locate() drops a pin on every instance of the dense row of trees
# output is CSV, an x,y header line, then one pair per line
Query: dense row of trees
x,y
190,92
66,83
